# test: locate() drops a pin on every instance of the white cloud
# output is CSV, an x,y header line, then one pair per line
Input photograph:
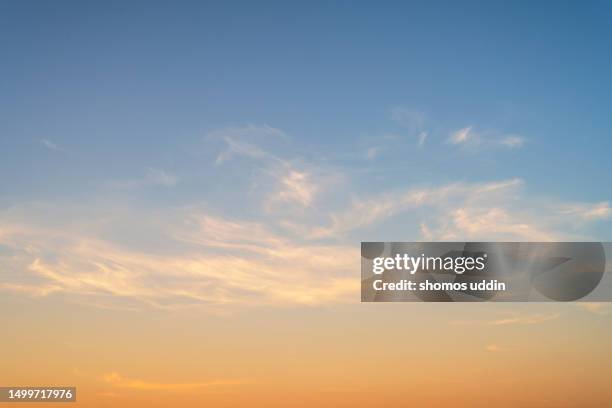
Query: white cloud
x,y
151,177
468,137
512,320
474,223
587,211
51,146
493,211
525,319
299,250
237,148
513,141
413,121
410,119
220,262
160,177
287,182
422,138
461,136
373,152
249,131
493,348
297,187
365,212
240,141
594,307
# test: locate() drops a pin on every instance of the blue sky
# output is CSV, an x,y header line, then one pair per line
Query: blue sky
x,y
184,187
139,82
319,123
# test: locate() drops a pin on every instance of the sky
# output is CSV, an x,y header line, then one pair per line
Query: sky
x,y
184,187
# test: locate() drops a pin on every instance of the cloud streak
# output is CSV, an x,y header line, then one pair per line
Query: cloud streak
x,y
461,136
469,138
222,262
119,381
152,177
513,320
296,245
595,308
52,146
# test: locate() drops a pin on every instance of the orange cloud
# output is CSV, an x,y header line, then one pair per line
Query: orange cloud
x,y
224,262
526,319
117,380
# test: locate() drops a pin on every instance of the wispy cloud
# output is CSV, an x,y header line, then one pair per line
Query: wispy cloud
x,y
151,177
518,319
470,223
366,212
525,319
457,211
240,141
160,177
513,141
108,394
297,187
118,380
494,348
222,262
587,211
51,146
303,219
469,138
237,148
461,136
594,307
373,152
284,181
413,121
422,137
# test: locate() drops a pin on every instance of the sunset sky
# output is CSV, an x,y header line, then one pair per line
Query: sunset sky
x,y
184,187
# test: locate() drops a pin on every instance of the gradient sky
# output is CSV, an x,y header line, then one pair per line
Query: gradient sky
x,y
183,190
